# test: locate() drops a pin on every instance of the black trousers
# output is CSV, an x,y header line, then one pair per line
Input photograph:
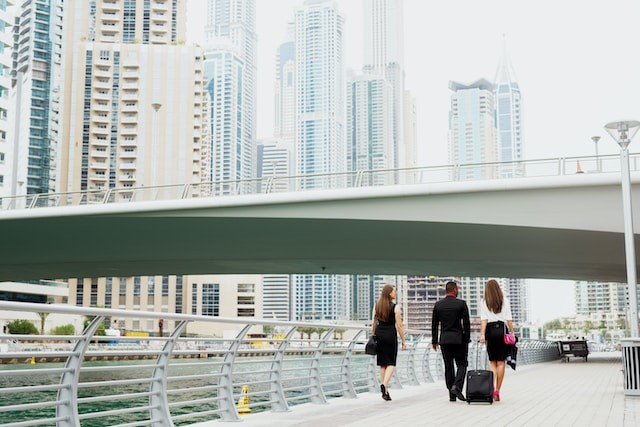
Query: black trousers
x,y
455,353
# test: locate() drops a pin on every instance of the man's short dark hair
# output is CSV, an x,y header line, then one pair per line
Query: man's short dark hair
x,y
450,286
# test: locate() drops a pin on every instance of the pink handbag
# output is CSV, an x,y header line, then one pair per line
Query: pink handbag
x,y
509,339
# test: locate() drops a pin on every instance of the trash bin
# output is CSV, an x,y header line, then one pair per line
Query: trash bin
x,y
631,365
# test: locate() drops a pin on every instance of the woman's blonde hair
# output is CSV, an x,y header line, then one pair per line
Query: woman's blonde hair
x,y
383,306
493,296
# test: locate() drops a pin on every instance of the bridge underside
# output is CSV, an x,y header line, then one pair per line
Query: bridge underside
x,y
102,246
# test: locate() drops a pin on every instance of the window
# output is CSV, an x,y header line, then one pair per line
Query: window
x,y
210,299
246,287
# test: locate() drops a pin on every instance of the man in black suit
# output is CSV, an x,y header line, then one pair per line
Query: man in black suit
x,y
452,315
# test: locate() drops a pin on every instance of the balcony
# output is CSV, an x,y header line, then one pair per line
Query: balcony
x,y
129,96
129,130
96,106
100,154
98,177
128,154
128,165
99,165
111,6
130,74
102,71
97,118
100,130
95,142
160,7
101,95
131,142
129,118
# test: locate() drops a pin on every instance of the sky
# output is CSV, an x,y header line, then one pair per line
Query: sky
x,y
577,63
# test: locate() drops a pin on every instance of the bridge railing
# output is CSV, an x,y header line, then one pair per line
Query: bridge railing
x,y
363,178
179,378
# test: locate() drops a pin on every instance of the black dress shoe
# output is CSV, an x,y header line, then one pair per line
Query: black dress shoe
x,y
452,397
457,393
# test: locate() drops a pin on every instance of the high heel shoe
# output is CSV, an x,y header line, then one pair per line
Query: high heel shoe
x,y
496,395
385,393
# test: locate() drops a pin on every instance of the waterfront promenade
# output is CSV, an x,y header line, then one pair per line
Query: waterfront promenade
x,y
548,394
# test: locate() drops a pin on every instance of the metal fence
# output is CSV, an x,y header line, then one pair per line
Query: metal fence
x,y
178,379
277,183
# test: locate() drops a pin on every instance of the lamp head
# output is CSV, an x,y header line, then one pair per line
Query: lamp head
x,y
623,131
595,138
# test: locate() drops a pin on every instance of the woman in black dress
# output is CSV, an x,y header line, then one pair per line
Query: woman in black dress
x,y
387,323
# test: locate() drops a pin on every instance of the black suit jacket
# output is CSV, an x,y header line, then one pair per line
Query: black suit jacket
x,y
452,315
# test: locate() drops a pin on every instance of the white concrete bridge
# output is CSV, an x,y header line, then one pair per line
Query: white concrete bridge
x,y
559,226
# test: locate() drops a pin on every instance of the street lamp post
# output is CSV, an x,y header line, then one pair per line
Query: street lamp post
x,y
623,132
595,139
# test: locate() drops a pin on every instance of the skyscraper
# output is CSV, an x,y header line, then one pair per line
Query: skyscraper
x,y
320,136
600,297
370,128
276,159
230,73
472,130
285,89
7,178
508,101
125,82
127,77
369,148
35,96
320,88
384,57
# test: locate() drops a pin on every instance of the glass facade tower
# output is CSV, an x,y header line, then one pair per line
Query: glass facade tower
x,y
36,83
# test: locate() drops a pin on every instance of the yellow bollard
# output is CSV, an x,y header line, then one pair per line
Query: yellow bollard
x,y
243,402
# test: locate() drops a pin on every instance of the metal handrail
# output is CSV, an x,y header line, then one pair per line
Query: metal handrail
x,y
337,180
167,388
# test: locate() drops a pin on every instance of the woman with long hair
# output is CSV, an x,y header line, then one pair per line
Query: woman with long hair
x,y
387,324
495,316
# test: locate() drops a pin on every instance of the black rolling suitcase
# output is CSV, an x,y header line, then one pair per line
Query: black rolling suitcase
x,y
479,384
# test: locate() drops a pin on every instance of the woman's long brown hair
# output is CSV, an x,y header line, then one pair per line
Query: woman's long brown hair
x,y
383,306
493,296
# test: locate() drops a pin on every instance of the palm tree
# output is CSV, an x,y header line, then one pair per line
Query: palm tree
x,y
43,317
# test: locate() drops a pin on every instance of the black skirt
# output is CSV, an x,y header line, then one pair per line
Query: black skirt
x,y
494,335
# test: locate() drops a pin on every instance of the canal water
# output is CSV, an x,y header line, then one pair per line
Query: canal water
x,y
182,402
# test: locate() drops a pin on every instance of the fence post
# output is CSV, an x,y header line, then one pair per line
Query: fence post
x,y
348,389
411,361
68,393
158,400
225,392
276,393
315,387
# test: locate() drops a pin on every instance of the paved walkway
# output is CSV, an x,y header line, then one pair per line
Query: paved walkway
x,y
548,394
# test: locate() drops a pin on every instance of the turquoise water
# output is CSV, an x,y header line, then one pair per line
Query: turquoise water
x,y
186,401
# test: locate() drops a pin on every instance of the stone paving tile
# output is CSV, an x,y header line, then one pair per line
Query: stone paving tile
x,y
558,393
